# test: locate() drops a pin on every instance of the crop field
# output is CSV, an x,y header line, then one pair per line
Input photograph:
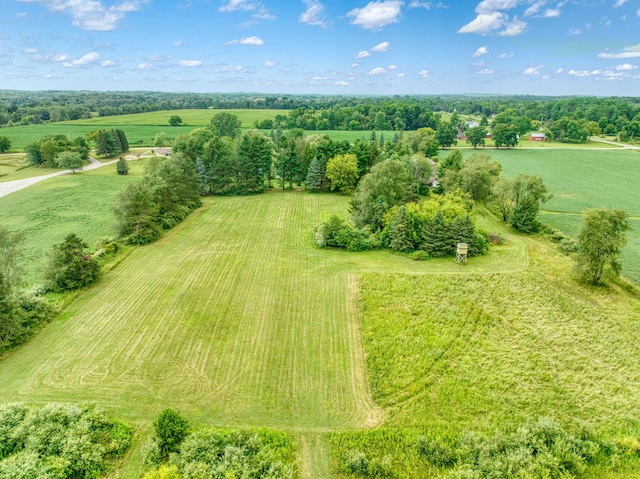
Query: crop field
x,y
583,179
190,117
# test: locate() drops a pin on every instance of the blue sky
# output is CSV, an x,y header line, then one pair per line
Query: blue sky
x,y
540,47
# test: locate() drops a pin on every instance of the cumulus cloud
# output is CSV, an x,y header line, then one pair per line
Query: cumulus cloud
x,y
178,43
259,11
362,54
619,3
551,13
376,15
190,63
584,73
423,73
107,63
342,83
626,67
270,64
83,61
514,28
480,51
535,8
145,67
377,71
381,47
92,14
314,14
533,70
484,23
251,41
392,67
629,52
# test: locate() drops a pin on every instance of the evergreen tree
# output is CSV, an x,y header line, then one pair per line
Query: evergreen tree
x,y
313,181
122,167
436,237
400,232
117,146
124,143
70,266
203,175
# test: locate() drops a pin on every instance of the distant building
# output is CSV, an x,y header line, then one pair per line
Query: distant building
x,y
472,124
538,137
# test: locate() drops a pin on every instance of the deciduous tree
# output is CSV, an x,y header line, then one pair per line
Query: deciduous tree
x,y
342,172
600,240
69,265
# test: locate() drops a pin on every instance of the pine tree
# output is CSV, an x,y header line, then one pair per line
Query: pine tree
x,y
436,238
400,232
123,140
313,182
117,146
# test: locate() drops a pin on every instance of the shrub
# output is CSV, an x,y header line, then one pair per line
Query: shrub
x,y
439,451
420,255
171,429
69,266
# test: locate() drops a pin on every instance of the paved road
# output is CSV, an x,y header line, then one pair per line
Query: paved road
x,y
9,187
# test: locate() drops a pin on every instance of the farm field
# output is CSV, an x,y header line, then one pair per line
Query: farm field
x,y
190,117
579,180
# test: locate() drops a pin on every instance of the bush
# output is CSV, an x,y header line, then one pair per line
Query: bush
x,y
439,451
419,255
339,233
171,429
69,266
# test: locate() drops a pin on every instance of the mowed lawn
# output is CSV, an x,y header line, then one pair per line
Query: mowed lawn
x,y
580,179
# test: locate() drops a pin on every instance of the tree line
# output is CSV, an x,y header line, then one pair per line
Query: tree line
x,y
614,116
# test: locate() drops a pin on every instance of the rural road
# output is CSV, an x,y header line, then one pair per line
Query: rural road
x,y
12,186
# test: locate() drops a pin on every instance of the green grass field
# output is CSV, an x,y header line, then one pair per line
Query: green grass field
x,y
191,118
75,203
583,179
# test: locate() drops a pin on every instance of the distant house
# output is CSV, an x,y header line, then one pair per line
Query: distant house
x,y
538,137
472,124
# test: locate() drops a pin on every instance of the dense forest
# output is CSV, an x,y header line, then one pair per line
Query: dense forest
x,y
613,116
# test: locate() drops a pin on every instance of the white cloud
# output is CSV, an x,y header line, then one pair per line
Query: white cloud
x,y
486,71
376,15
377,71
260,12
382,47
401,75
584,73
535,8
233,69
484,24
22,15
107,63
242,5
629,52
419,4
178,43
514,28
60,57
533,70
490,6
423,73
480,51
551,13
190,63
619,3
575,31
342,83
626,67
91,14
638,12
31,51
362,54
270,64
392,67
251,41
314,14
559,71
505,55
83,61
145,67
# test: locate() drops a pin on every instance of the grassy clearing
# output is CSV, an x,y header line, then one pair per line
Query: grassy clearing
x,y
583,179
9,163
450,353
74,203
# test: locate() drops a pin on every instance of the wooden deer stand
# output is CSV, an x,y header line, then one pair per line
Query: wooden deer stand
x,y
462,251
